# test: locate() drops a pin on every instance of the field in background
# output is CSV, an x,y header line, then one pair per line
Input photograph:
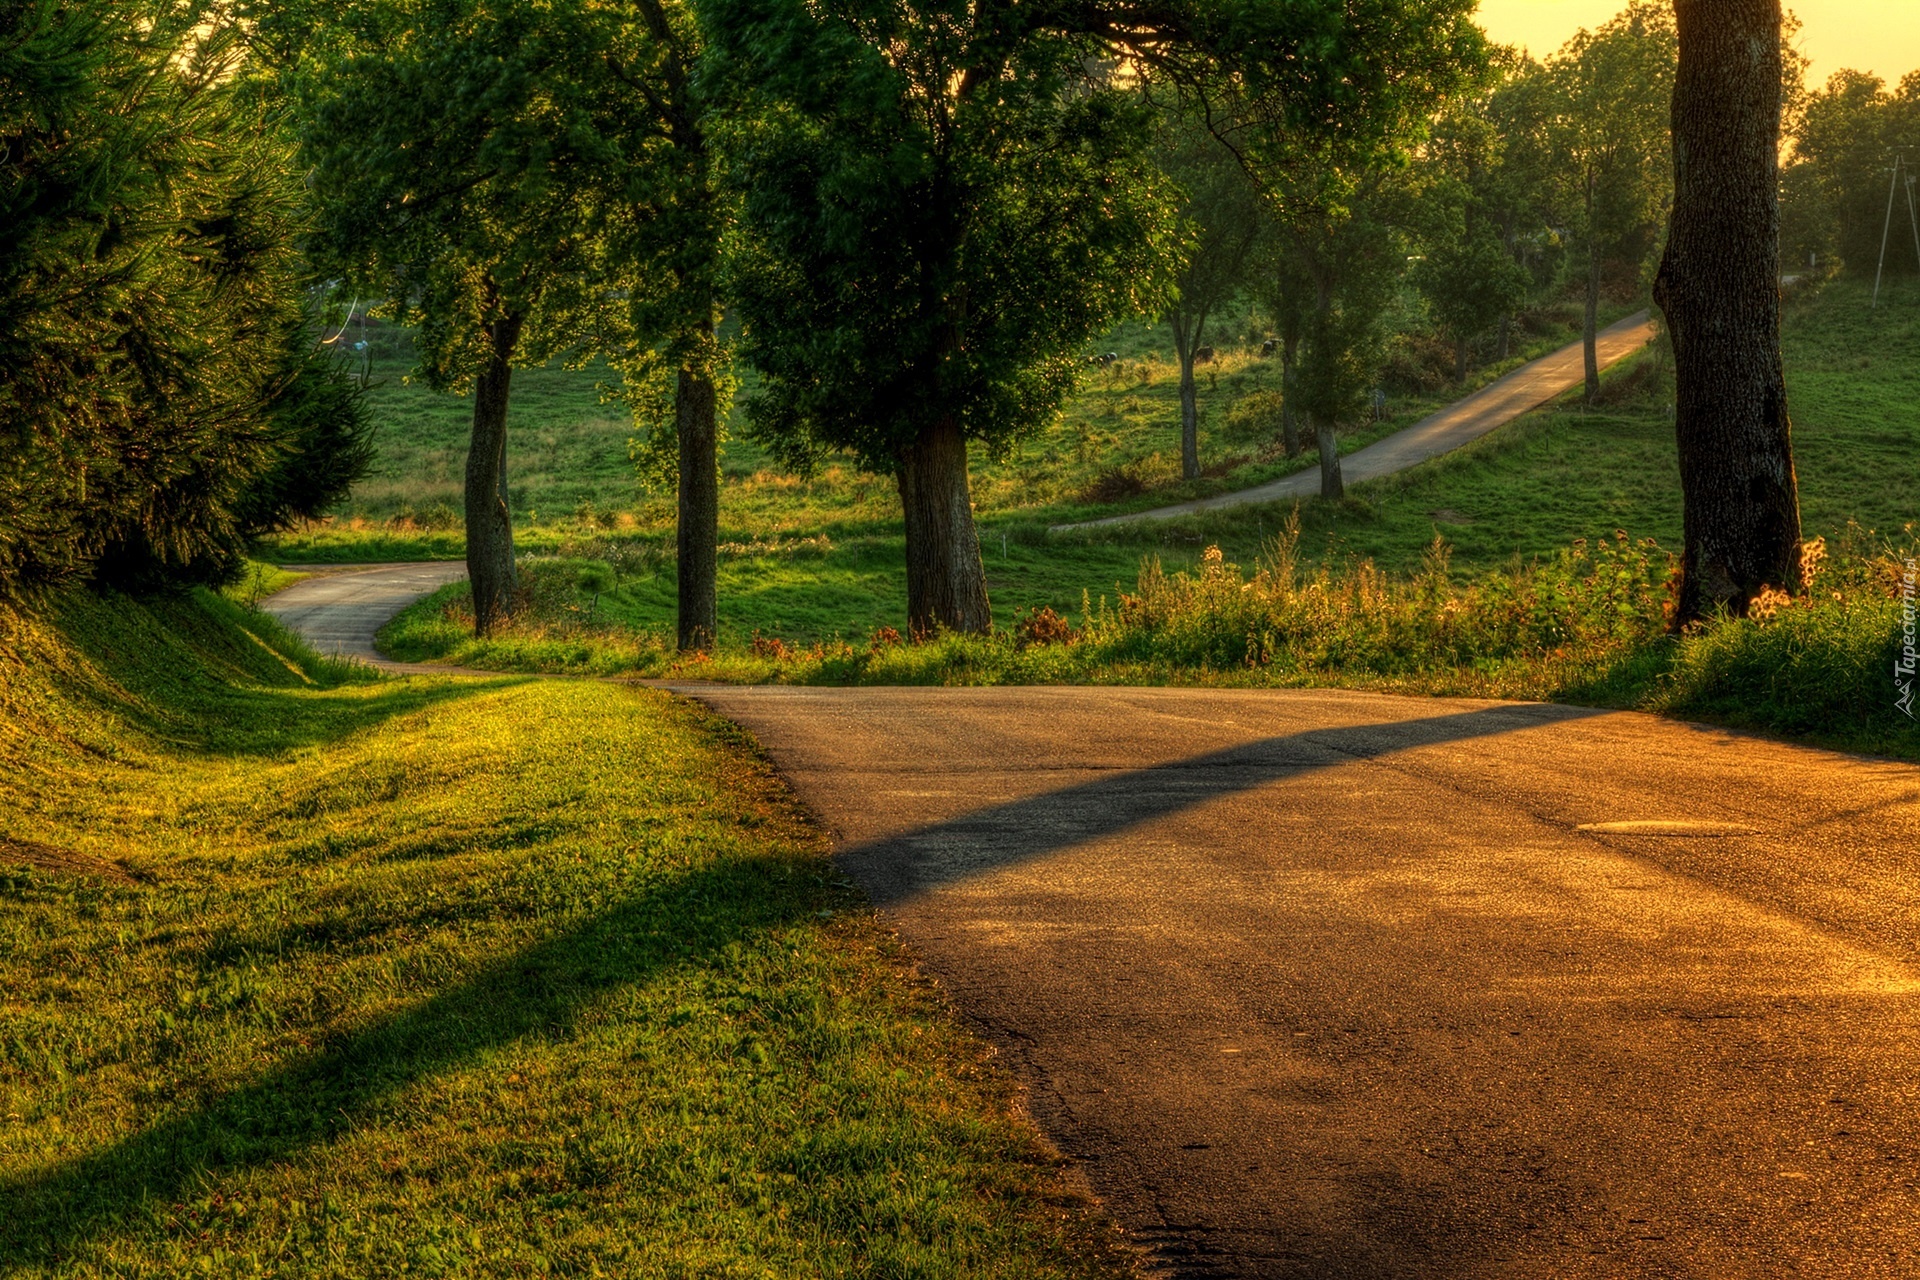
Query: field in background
x,y
809,559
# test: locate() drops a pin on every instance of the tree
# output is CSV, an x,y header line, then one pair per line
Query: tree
x,y
1222,210
1286,293
1518,190
1839,176
1611,89
161,401
1339,238
473,161
1718,285
1470,218
672,252
944,201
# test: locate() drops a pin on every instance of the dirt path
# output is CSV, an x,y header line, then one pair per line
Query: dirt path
x,y
1320,984
339,612
1526,388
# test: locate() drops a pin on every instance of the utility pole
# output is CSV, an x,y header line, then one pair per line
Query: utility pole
x,y
1893,187
1913,218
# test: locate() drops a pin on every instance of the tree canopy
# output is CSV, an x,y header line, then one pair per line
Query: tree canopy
x,y
944,202
512,179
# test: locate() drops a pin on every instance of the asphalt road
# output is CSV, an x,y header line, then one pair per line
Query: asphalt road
x,y
340,609
1466,420
1329,984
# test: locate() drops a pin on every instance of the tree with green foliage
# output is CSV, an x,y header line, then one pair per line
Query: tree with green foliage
x,y
1719,287
1611,89
944,201
1841,174
1469,220
161,398
1221,211
672,252
526,181
1340,234
1285,292
1516,193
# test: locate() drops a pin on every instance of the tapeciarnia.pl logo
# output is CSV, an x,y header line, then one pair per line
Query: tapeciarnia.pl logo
x,y
1903,662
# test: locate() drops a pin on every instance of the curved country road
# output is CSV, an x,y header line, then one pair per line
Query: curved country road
x,y
1319,984
1465,420
1325,985
341,608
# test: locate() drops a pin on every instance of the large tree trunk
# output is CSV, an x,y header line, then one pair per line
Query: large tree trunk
x,y
490,568
1331,485
1289,424
695,411
1506,337
1462,352
1719,287
946,583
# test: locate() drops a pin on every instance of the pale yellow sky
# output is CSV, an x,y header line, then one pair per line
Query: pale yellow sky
x,y
1881,36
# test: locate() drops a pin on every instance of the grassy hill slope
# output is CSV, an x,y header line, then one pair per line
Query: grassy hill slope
x,y
307,974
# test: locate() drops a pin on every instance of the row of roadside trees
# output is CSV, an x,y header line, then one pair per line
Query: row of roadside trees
x,y
921,211
1535,176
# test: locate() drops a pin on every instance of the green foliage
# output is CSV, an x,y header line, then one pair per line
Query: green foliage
x,y
1471,281
473,161
160,404
312,975
1221,209
1819,665
1587,624
940,211
1610,92
1476,216
1836,184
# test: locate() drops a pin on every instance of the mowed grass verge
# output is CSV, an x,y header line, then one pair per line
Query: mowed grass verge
x,y
308,974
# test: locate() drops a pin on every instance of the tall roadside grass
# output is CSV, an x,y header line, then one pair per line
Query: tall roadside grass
x,y
1588,625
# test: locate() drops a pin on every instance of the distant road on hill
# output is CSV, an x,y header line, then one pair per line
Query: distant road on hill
x,y
1466,420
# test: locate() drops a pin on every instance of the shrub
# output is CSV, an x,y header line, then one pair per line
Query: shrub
x,y
1254,417
159,402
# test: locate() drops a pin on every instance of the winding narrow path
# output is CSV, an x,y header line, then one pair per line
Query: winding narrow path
x,y
342,607
1318,984
1466,420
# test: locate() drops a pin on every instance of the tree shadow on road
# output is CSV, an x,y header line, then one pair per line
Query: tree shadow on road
x,y
898,867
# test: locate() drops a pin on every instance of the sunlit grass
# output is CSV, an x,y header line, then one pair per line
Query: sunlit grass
x,y
1587,625
311,975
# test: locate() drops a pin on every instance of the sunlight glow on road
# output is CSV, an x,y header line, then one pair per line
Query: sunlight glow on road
x,y
1881,36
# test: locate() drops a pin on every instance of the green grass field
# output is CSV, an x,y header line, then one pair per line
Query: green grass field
x,y
308,975
809,559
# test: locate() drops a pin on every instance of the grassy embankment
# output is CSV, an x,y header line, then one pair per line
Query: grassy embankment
x,y
307,974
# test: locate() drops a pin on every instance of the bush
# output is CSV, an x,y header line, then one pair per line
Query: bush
x,y
1254,417
159,403
1819,664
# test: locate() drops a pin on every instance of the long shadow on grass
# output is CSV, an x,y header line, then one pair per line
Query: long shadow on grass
x,y
898,867
536,993
177,672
